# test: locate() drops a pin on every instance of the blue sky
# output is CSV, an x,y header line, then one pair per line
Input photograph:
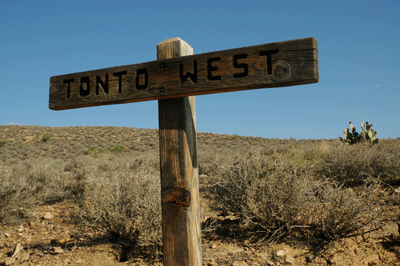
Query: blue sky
x,y
358,47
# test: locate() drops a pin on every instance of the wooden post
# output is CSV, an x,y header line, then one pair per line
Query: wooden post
x,y
179,175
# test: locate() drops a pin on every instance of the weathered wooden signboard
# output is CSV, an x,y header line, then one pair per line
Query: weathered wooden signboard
x,y
262,66
173,79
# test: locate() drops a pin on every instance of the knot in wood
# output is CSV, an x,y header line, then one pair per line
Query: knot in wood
x,y
177,196
280,71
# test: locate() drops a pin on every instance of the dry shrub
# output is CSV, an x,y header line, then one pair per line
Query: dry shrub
x,y
47,180
12,190
361,163
32,182
268,193
122,196
344,212
279,195
116,193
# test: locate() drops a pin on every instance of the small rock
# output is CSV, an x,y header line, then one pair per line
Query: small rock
x,y
16,250
48,216
23,257
247,243
8,261
59,241
8,235
321,261
264,256
280,253
55,250
289,259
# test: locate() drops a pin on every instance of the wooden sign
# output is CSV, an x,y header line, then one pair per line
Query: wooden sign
x,y
173,79
262,66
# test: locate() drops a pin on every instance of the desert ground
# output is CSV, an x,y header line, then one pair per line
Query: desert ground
x,y
90,196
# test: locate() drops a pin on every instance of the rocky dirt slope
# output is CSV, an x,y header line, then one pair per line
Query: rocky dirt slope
x,y
51,237
50,234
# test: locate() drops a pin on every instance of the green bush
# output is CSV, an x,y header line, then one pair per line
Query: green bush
x,y
118,148
46,137
89,151
2,143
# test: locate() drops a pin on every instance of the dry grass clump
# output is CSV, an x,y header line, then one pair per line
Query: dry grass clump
x,y
32,182
11,191
267,192
343,212
117,194
354,165
122,196
282,194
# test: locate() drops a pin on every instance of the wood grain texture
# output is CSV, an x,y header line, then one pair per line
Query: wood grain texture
x,y
270,65
179,175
